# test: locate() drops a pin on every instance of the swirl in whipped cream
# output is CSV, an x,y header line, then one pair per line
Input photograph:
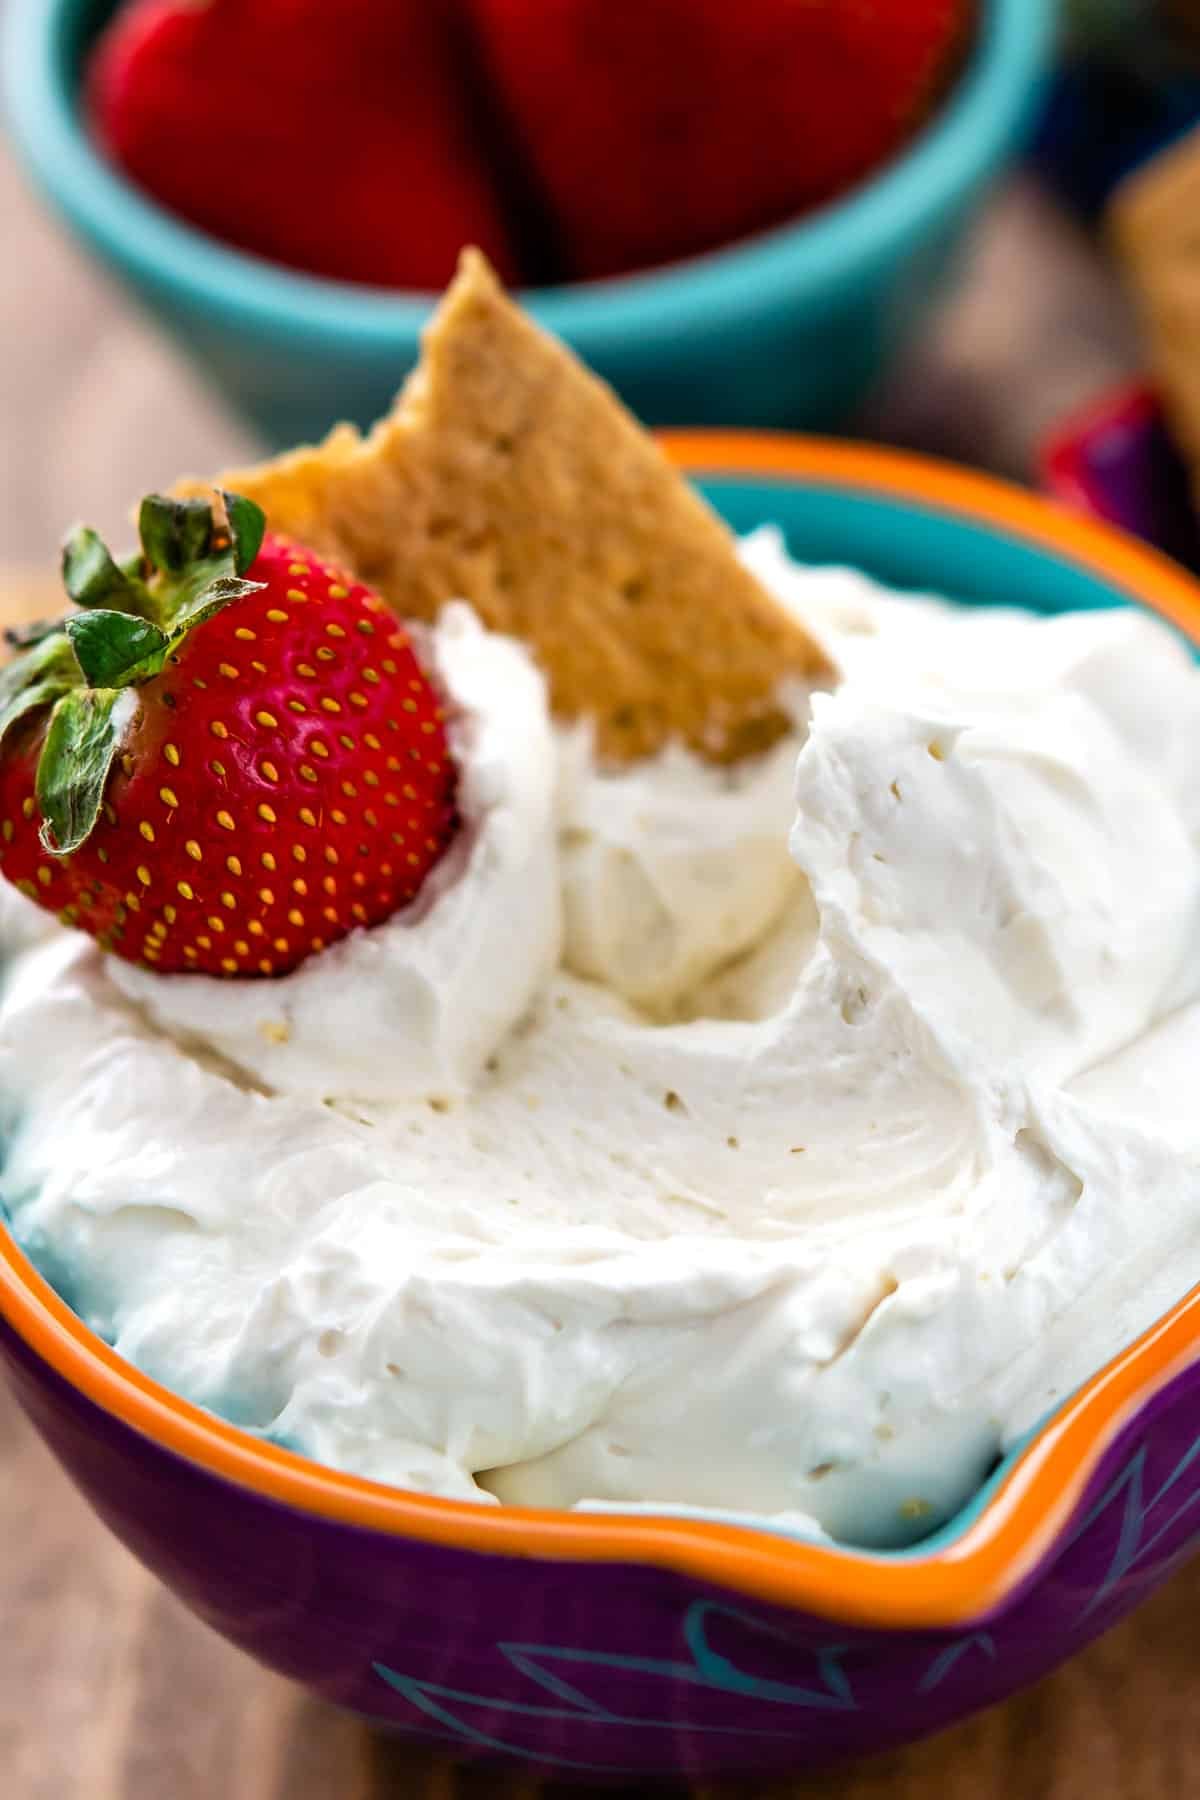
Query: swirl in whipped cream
x,y
784,1141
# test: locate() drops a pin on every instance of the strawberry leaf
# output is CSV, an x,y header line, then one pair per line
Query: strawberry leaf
x,y
92,578
50,656
195,565
210,601
30,700
247,527
175,533
191,566
36,680
24,637
82,740
115,648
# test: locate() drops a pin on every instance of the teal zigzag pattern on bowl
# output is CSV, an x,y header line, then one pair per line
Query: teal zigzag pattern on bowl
x,y
611,1669
1143,1524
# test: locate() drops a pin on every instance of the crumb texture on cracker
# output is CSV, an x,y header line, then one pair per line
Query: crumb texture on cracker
x,y
507,475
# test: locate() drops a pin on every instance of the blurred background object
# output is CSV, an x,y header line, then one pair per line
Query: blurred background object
x,y
1155,227
573,139
788,326
1031,326
367,142
1116,459
1128,83
1118,143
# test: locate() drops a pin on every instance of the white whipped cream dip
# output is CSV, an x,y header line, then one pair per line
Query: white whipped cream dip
x,y
784,1141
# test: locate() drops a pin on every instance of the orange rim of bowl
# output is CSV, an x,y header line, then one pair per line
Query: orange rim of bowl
x,y
954,1584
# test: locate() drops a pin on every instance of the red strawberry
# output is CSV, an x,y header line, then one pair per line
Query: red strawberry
x,y
665,128
214,773
330,136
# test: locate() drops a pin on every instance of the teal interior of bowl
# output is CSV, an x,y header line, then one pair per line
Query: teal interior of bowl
x,y
910,547
907,546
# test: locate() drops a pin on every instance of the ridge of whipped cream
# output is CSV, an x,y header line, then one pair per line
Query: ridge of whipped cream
x,y
416,1005
783,1142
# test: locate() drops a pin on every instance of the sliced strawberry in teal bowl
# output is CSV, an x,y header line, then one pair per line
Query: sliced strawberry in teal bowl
x,y
790,325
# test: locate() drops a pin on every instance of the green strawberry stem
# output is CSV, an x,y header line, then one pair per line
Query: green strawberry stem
x,y
133,615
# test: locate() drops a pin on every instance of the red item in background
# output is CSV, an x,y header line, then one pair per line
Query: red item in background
x,y
662,128
332,135
1116,459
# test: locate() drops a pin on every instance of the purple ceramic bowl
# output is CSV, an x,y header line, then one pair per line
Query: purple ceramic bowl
x,y
617,1648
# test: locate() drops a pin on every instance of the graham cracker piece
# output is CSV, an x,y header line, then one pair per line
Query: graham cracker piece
x,y
509,476
1155,225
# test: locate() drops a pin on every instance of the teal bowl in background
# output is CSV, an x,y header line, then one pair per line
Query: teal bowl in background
x,y
789,327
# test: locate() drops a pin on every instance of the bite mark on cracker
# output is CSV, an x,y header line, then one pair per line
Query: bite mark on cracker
x,y
507,475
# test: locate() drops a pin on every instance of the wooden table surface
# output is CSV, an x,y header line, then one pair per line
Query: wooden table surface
x,y
108,1689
